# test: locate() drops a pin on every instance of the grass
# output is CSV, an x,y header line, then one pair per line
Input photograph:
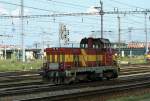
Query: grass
x,y
145,97
134,59
14,65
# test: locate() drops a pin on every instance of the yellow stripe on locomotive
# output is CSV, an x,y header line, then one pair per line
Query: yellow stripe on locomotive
x,y
70,58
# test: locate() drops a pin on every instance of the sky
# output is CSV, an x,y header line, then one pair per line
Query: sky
x,y
46,29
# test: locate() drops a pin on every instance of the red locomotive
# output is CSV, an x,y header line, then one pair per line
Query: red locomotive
x,y
94,59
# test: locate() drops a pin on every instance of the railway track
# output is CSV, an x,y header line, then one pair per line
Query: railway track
x,y
25,78
19,78
24,75
6,77
36,87
93,91
134,69
17,73
84,92
42,90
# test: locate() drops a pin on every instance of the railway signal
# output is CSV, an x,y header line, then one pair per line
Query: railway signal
x,y
63,34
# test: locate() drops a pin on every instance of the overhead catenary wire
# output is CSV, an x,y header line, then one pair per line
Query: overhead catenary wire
x,y
66,4
69,4
126,4
77,22
35,8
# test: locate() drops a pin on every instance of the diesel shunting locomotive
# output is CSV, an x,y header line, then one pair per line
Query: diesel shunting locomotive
x,y
94,59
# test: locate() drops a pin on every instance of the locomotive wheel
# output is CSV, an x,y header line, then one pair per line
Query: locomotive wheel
x,y
69,80
108,75
57,80
82,77
92,77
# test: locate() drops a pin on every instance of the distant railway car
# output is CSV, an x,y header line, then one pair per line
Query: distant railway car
x,y
94,59
148,57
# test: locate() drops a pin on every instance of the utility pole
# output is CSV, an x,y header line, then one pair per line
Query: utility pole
x,y
60,33
5,50
119,34
101,14
130,38
43,46
22,31
146,40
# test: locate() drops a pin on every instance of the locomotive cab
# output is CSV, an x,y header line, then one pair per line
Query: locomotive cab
x,y
100,43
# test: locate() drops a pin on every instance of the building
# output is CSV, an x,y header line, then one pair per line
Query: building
x,y
132,48
13,52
